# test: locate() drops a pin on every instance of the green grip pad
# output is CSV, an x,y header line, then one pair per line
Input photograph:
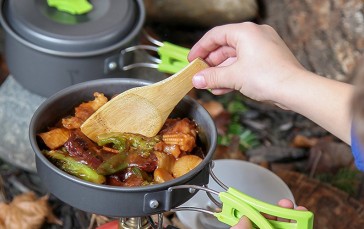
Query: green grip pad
x,y
237,204
173,58
71,6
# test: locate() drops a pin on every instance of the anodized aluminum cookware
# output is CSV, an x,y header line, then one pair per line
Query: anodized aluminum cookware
x,y
111,200
51,46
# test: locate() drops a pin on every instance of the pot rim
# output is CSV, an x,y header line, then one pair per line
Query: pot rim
x,y
149,188
126,40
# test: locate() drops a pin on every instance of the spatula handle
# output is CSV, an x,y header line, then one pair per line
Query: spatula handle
x,y
181,82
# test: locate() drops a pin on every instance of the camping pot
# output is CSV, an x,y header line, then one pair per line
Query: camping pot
x,y
108,200
52,44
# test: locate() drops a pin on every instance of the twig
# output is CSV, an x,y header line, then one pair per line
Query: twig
x,y
315,163
18,185
2,190
92,221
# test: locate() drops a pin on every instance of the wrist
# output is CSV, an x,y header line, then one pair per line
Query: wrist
x,y
287,92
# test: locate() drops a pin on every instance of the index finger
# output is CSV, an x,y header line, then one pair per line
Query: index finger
x,y
244,223
213,39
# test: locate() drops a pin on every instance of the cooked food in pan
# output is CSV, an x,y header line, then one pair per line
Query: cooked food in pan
x,y
122,159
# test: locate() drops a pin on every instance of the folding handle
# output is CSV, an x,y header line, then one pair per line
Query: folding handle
x,y
173,58
237,204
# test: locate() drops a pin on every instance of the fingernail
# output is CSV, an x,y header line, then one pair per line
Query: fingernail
x,y
199,82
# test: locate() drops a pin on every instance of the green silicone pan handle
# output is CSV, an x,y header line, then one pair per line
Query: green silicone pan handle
x,y
237,204
173,58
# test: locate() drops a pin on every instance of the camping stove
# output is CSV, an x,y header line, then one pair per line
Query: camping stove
x,y
142,223
134,223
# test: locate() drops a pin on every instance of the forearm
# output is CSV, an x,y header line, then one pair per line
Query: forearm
x,y
324,101
272,74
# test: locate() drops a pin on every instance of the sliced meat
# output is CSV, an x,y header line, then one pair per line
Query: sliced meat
x,y
83,149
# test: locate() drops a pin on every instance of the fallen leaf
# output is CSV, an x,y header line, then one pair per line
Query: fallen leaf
x,y
301,141
26,211
230,152
100,220
213,107
222,122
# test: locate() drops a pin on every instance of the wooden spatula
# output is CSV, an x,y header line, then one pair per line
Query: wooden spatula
x,y
142,110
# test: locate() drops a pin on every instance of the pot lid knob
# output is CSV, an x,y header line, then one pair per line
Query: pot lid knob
x,y
71,6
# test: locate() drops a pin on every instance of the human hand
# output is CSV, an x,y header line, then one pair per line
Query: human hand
x,y
247,57
245,223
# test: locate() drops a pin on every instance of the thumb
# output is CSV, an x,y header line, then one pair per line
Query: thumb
x,y
244,223
214,78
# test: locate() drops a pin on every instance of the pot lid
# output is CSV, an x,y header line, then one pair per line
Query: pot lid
x,y
59,25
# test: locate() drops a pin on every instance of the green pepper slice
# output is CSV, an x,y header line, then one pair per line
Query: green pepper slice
x,y
123,141
114,164
74,167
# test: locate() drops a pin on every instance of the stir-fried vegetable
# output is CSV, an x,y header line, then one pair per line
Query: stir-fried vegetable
x,y
122,141
122,159
73,167
140,173
114,164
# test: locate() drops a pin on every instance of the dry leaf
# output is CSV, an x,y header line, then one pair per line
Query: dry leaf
x,y
230,152
98,220
222,122
26,211
301,141
213,107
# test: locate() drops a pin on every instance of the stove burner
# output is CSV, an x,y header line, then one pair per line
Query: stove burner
x,y
142,223
134,223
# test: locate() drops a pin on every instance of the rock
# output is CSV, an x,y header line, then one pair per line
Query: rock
x,y
275,154
326,36
205,13
329,157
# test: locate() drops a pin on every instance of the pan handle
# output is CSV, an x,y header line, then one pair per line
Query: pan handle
x,y
172,58
167,199
235,204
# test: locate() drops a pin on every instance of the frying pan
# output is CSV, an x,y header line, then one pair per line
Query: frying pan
x,y
115,201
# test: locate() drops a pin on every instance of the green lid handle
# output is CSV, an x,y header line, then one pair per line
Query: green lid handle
x,y
71,6
237,204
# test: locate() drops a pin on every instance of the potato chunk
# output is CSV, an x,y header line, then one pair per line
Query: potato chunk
x,y
165,161
55,138
162,175
185,164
